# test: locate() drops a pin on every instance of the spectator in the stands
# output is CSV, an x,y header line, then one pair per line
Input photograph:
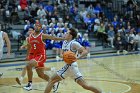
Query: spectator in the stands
x,y
45,23
98,9
138,20
34,8
14,16
101,34
130,8
23,4
122,23
27,14
43,19
129,41
26,27
79,38
74,11
137,41
87,19
51,28
41,12
58,44
86,43
1,9
96,25
120,43
111,35
90,9
128,28
49,17
60,21
115,23
49,8
59,27
122,31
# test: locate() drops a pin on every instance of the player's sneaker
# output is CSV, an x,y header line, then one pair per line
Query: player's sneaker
x,y
55,87
28,87
1,74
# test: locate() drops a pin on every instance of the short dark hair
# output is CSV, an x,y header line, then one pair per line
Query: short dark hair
x,y
73,32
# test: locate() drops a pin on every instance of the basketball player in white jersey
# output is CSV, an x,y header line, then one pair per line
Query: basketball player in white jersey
x,y
71,70
4,38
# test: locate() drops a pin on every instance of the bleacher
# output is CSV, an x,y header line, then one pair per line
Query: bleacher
x,y
96,45
16,55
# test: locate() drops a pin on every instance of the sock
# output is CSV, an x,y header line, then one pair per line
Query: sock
x,y
21,78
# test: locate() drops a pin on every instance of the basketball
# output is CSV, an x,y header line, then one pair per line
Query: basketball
x,y
69,57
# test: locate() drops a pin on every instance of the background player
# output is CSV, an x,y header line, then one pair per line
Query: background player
x,y
4,38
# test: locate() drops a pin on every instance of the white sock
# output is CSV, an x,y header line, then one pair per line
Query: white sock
x,y
21,78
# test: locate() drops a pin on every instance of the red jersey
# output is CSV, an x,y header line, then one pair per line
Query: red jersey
x,y
37,45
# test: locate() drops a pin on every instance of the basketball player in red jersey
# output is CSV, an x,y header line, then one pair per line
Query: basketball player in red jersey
x,y
36,54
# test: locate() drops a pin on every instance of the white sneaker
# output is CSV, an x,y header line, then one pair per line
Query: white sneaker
x,y
57,58
1,74
88,55
55,87
19,81
28,87
118,52
125,52
112,46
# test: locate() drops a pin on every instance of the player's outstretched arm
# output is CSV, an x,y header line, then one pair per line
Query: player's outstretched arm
x,y
46,36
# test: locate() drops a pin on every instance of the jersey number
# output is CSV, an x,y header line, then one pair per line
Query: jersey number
x,y
34,46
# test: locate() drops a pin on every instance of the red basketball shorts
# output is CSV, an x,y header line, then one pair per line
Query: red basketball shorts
x,y
40,59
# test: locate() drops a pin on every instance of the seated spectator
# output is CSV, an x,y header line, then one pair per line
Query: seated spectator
x,y
122,23
129,41
49,8
86,43
43,19
34,9
79,38
90,9
41,12
14,16
96,25
60,21
27,15
23,4
98,9
26,27
111,35
101,34
137,41
119,43
122,31
138,20
115,23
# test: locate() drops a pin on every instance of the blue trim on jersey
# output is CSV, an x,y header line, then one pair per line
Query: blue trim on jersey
x,y
77,78
66,68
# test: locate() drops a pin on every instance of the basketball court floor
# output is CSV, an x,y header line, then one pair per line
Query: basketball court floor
x,y
109,72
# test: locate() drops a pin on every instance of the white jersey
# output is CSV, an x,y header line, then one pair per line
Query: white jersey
x,y
1,41
70,70
67,46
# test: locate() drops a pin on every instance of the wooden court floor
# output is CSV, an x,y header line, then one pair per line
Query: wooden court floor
x,y
110,73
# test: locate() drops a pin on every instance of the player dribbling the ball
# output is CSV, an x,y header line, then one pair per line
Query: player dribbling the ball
x,y
71,69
